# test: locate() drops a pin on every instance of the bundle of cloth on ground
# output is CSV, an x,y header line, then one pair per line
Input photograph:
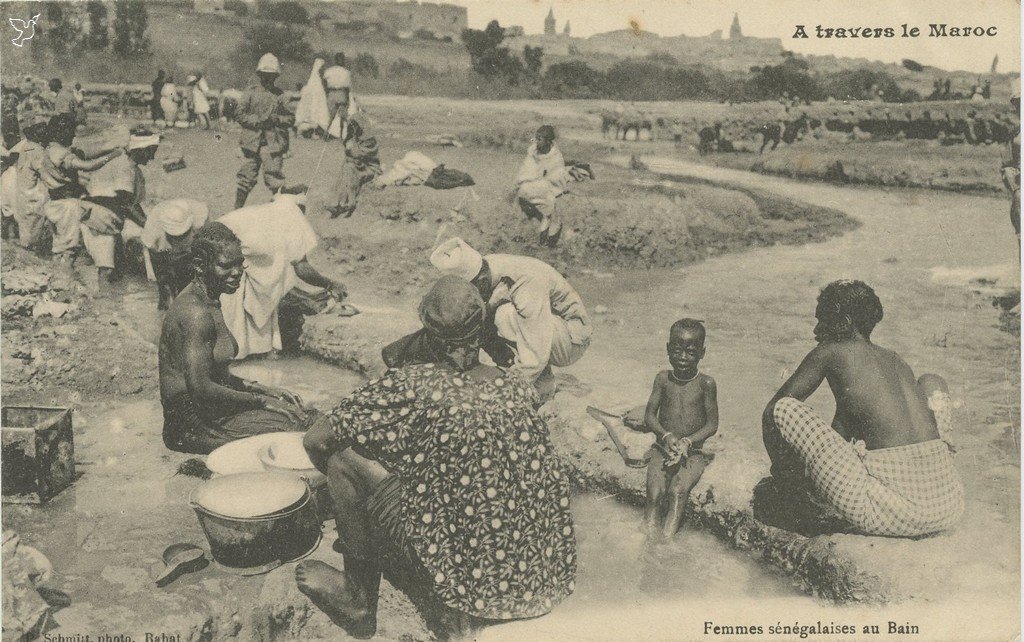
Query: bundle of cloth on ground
x,y
416,168
412,169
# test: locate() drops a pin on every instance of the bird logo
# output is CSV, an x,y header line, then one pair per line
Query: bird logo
x,y
24,27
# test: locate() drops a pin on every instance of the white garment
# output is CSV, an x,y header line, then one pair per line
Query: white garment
x,y
311,111
9,192
175,215
199,102
274,236
412,169
549,167
101,246
338,77
542,314
169,102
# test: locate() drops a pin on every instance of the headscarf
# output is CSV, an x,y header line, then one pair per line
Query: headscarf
x,y
452,311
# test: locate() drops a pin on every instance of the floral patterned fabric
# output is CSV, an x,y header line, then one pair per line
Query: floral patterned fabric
x,y
485,504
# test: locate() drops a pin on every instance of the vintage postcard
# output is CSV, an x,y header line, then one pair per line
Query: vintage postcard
x,y
581,320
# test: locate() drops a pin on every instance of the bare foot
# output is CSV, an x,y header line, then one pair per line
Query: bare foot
x,y
329,589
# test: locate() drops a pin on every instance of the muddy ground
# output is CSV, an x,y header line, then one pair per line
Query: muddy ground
x,y
749,274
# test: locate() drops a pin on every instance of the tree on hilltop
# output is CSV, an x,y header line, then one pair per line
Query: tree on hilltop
x,y
98,25
488,57
131,20
534,59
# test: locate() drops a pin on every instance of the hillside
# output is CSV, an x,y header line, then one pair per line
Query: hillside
x,y
186,41
182,42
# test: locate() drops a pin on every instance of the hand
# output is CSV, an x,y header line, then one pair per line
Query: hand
x,y
671,443
501,293
276,393
287,396
338,291
275,405
102,220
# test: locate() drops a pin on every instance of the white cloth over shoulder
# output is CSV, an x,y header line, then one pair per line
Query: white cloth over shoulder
x,y
549,167
312,109
274,236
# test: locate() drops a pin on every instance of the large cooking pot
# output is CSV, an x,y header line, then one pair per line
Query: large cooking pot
x,y
256,521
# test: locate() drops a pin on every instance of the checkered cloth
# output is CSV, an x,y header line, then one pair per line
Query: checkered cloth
x,y
902,491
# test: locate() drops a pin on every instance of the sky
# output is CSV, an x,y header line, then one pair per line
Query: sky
x,y
778,18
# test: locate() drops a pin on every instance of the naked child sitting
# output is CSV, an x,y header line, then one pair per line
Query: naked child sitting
x,y
682,412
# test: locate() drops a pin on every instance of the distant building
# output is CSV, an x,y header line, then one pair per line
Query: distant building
x,y
549,23
400,18
567,30
734,30
736,53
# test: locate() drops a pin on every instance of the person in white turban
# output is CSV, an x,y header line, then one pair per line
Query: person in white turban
x,y
534,308
167,237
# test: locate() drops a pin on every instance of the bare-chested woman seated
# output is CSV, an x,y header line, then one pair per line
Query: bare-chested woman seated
x,y
883,466
205,406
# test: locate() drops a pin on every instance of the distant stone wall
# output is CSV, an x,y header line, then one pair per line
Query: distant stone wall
x,y
403,18
731,53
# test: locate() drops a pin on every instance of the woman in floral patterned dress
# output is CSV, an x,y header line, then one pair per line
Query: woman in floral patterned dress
x,y
445,473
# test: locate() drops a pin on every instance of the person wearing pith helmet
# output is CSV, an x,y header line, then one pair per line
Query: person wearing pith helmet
x,y
265,118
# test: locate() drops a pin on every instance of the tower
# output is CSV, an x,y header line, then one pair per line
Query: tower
x,y
567,31
734,30
549,23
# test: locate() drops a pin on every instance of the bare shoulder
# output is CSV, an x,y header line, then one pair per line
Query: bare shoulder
x,y
707,382
825,353
191,317
661,378
895,359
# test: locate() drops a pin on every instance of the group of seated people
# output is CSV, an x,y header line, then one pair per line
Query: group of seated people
x,y
417,492
442,471
59,202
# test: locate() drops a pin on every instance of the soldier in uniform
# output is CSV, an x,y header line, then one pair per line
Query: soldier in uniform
x,y
265,119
